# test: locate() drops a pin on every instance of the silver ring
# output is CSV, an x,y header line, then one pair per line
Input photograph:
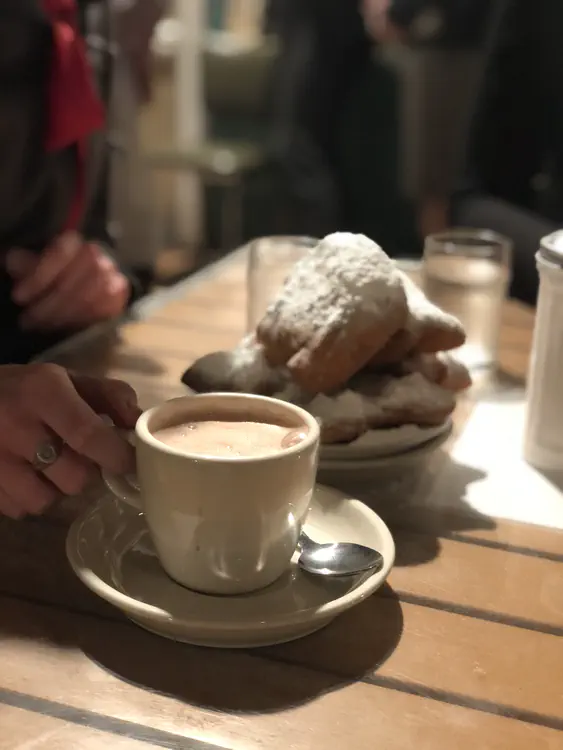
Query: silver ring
x,y
47,454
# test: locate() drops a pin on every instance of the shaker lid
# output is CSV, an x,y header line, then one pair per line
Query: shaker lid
x,y
551,247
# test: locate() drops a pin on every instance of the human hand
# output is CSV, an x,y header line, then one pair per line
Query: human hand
x,y
72,284
45,408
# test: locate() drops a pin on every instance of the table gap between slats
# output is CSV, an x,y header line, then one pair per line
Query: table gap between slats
x,y
228,697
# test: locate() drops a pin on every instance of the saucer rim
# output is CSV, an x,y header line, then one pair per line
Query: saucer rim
x,y
329,610
220,640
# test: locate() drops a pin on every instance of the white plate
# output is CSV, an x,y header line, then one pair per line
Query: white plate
x,y
399,460
386,479
382,443
110,551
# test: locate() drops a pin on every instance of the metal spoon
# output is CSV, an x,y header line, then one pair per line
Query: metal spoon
x,y
337,558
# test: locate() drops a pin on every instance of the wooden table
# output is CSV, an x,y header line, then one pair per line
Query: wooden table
x,y
460,650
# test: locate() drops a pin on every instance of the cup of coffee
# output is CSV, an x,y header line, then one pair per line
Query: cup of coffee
x,y
225,482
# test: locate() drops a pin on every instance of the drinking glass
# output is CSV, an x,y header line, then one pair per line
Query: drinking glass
x,y
466,272
269,261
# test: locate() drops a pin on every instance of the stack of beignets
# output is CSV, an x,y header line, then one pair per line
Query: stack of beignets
x,y
351,338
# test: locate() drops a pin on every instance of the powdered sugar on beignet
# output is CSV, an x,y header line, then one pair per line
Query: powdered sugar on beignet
x,y
391,401
244,370
441,368
372,403
342,417
340,304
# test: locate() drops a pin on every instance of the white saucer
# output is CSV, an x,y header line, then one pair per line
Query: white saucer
x,y
376,444
110,551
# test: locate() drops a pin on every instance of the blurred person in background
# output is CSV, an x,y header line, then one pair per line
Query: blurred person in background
x,y
513,179
437,46
324,50
56,274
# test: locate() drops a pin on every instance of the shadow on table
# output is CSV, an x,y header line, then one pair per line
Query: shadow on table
x,y
418,519
259,680
140,363
104,353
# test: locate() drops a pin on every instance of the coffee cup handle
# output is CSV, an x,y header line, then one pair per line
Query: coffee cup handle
x,y
122,486
124,489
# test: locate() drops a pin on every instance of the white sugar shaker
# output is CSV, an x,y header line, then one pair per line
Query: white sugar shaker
x,y
543,434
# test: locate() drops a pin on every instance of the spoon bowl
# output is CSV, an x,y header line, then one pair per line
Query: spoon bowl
x,y
337,559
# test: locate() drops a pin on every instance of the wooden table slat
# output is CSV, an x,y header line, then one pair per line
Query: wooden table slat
x,y
30,728
380,639
461,649
177,341
442,573
233,699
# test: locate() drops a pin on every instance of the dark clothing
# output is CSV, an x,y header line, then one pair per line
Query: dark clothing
x,y
37,188
525,229
324,52
517,136
445,24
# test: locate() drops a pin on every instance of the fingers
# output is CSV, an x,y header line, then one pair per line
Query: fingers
x,y
112,397
52,398
71,473
91,288
41,403
9,507
28,491
109,297
20,262
59,305
101,295
50,266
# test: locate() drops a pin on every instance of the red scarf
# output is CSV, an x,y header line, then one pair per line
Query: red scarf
x,y
75,110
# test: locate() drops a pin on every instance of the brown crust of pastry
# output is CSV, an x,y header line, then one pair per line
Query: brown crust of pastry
x,y
339,306
242,370
427,330
400,344
440,368
434,330
334,358
457,377
431,366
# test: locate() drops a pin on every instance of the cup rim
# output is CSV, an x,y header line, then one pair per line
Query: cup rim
x,y
143,433
487,236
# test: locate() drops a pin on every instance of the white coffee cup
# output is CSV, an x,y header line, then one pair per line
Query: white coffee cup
x,y
222,525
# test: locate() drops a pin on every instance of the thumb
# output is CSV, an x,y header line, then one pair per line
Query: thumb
x,y
20,262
